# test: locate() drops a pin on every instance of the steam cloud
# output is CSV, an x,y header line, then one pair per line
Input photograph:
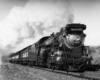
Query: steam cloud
x,y
25,25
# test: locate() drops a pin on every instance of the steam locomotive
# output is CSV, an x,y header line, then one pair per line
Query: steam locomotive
x,y
62,50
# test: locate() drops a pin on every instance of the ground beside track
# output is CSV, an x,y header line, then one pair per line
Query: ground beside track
x,y
16,72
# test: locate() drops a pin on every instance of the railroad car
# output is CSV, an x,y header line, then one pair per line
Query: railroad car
x,y
14,58
26,56
62,50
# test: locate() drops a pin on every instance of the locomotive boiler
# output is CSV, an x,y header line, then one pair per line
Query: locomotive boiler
x,y
62,50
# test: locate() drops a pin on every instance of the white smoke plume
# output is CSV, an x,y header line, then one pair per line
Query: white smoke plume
x,y
25,25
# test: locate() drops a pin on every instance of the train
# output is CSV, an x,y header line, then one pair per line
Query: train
x,y
64,50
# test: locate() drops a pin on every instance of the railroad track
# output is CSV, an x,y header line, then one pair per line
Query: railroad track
x,y
84,75
90,75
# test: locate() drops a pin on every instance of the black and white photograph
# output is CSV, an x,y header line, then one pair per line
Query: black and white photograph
x,y
49,39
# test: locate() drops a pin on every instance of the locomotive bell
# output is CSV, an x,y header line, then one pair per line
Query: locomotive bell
x,y
59,59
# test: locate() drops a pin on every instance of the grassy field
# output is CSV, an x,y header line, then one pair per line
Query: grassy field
x,y
95,54
17,72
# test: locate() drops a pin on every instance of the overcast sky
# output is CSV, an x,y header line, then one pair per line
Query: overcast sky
x,y
7,5
88,12
83,11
